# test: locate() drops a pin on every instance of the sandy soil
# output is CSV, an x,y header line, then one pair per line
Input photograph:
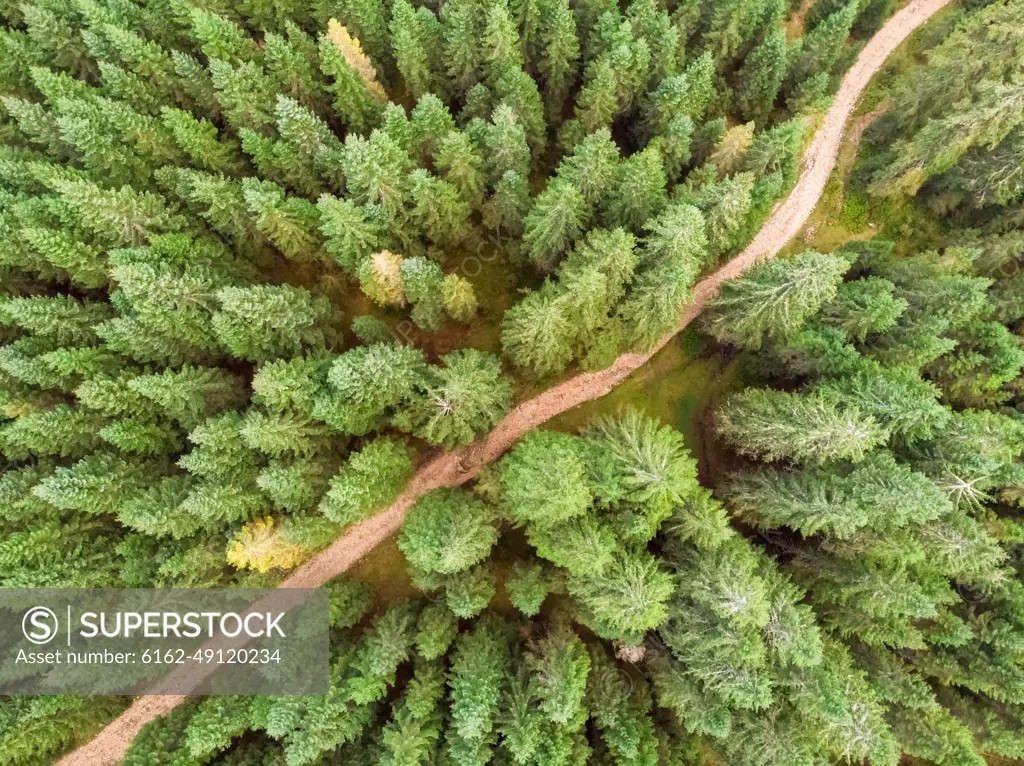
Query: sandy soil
x,y
455,468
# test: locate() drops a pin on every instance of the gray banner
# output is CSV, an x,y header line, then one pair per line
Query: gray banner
x,y
163,641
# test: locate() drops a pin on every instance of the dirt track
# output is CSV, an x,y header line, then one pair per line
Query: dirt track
x,y
454,468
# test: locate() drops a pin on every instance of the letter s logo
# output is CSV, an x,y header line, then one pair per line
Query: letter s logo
x,y
39,625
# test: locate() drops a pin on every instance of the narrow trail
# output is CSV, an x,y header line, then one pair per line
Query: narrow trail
x,y
455,468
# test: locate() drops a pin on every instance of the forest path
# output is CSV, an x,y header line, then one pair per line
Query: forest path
x,y
454,468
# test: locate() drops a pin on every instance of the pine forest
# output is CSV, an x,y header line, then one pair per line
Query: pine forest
x,y
267,267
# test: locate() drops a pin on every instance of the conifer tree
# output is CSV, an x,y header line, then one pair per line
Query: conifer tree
x,y
220,453
447,532
597,104
505,144
806,428
117,217
545,479
517,90
561,664
878,494
62,431
462,397
537,332
244,92
221,38
502,51
731,150
437,208
291,383
761,78
463,25
352,234
64,320
864,306
621,714
458,298
528,586
584,546
507,207
97,484
647,466
725,204
626,600
469,592
380,277
364,383
462,166
896,397
775,151
143,437
421,282
774,298
637,192
191,394
84,264
592,166
283,434
291,60
264,322
656,298
289,222
374,170
820,48
520,722
369,329
198,138
412,734
370,479
413,32
358,97
479,664
554,222
653,25
369,23
435,631
560,52
295,484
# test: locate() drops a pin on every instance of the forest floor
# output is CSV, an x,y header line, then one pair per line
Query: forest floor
x,y
454,468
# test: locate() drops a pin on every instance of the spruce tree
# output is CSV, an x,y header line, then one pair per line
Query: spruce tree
x,y
505,143
364,383
413,33
462,397
447,532
462,166
358,97
265,322
370,479
774,298
352,234
555,220
804,427
537,332
545,479
592,166
878,494
637,191
480,662
820,48
761,78
559,55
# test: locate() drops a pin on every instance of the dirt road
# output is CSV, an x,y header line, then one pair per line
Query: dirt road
x,y
455,468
